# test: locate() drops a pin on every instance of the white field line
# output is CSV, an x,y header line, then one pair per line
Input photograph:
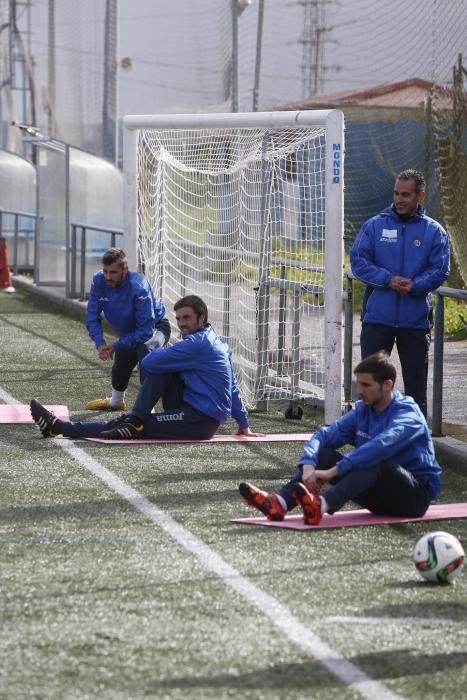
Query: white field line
x,y
279,615
8,398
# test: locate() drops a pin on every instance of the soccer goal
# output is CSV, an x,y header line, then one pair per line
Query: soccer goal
x,y
246,210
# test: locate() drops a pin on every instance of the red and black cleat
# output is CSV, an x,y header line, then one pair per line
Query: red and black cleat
x,y
266,503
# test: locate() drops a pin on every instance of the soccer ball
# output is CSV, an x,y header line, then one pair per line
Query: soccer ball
x,y
438,556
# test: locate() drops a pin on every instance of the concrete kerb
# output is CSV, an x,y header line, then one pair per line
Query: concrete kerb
x,y
56,295
449,450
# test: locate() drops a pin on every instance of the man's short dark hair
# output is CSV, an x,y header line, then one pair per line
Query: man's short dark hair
x,y
379,366
195,303
416,176
114,255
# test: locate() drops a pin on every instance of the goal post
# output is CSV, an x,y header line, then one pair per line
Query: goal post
x,y
246,210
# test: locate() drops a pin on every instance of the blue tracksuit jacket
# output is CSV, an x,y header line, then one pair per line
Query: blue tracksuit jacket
x,y
399,433
204,362
131,309
416,248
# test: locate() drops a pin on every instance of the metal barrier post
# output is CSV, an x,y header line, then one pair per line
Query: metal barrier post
x,y
73,262
348,339
437,413
281,330
82,281
227,299
295,363
28,259
15,245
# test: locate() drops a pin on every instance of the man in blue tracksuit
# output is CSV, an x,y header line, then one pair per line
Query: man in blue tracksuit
x,y
402,256
391,471
194,378
126,300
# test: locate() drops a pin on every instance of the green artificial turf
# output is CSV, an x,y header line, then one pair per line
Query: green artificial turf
x,y
100,601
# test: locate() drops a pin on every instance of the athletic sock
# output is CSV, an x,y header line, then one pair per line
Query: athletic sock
x,y
324,505
57,427
117,397
282,502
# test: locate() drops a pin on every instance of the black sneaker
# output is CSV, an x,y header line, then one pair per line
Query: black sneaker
x,y
130,428
48,423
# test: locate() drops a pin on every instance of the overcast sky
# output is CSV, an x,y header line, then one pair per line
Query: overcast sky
x,y
366,42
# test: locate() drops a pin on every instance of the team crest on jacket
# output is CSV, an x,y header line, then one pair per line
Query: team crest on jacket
x,y
389,235
417,241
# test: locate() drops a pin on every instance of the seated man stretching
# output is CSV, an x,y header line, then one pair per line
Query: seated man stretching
x,y
391,471
194,378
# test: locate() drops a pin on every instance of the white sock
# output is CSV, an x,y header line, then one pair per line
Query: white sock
x,y
117,397
324,505
281,501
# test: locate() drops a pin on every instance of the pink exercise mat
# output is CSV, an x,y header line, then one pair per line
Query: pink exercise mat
x,y
355,518
20,413
274,437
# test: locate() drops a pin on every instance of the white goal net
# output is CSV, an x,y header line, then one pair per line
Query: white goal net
x,y
246,210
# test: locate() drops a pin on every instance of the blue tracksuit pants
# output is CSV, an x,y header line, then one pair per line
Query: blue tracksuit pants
x,y
125,359
385,489
178,420
412,345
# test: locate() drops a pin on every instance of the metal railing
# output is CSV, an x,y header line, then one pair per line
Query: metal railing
x,y
438,355
79,252
29,235
438,348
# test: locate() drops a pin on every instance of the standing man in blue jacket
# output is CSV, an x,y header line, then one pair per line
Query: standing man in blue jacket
x,y
402,256
391,471
126,300
194,378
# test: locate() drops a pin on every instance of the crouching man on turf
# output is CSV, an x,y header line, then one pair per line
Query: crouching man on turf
x,y
126,300
391,471
194,378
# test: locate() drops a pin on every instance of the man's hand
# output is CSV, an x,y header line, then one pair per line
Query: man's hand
x,y
326,474
106,351
403,285
247,431
309,478
314,478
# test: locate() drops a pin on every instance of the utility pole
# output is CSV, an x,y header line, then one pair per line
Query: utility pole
x,y
21,62
259,48
237,7
17,97
313,40
110,108
50,101
234,58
